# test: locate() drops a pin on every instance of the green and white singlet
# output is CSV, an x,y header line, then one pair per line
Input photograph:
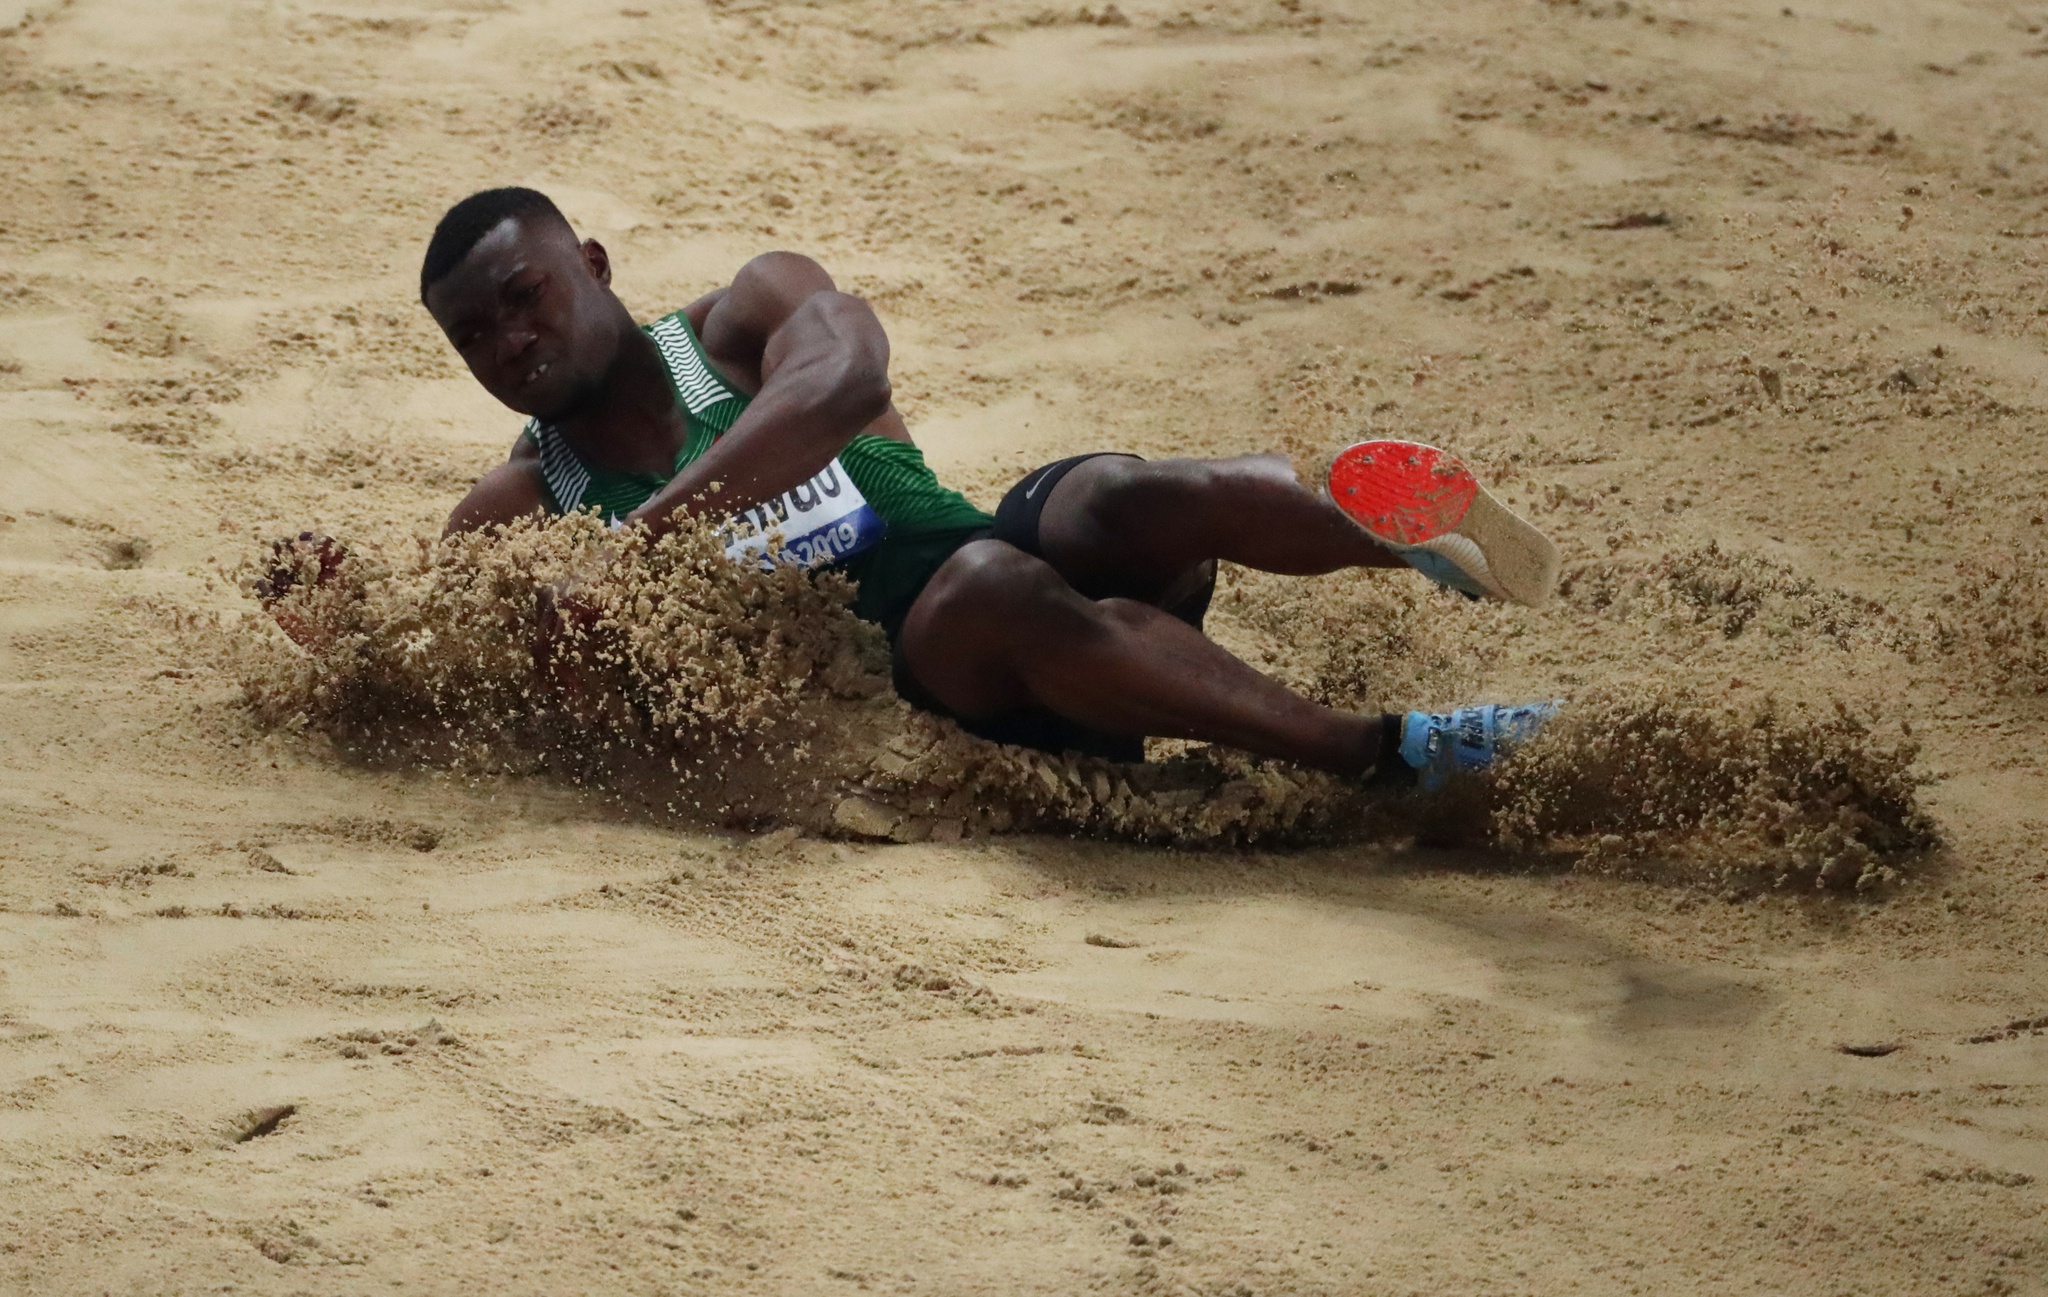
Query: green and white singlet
x,y
877,512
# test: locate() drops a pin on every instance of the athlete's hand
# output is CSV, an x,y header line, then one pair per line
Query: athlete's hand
x,y
306,561
563,619
295,561
658,522
661,517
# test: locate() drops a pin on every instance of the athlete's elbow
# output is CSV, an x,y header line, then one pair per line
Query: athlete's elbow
x,y
860,391
466,518
856,359
875,392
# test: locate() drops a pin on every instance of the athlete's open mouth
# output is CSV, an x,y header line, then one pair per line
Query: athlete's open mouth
x,y
537,371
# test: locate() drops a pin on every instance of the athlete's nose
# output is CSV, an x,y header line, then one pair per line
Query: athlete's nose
x,y
514,342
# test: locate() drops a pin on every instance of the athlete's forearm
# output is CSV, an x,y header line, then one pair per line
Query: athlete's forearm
x,y
804,416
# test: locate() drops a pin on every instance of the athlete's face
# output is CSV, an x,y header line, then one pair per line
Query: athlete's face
x,y
532,313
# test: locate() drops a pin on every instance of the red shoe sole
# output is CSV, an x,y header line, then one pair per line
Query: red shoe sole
x,y
1402,492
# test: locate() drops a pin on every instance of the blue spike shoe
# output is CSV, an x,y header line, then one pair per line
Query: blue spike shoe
x,y
1441,745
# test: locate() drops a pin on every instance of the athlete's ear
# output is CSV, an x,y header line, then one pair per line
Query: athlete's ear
x,y
599,261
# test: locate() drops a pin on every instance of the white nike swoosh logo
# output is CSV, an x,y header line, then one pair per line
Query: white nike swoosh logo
x,y
1032,490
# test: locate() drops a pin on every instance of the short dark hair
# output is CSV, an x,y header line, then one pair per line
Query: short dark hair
x,y
471,219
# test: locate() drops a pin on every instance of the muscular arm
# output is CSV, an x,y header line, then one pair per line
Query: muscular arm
x,y
824,369
509,491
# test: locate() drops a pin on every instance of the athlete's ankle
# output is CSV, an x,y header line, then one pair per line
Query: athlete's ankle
x,y
1389,769
1366,747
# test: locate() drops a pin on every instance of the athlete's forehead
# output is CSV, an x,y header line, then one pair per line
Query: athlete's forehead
x,y
511,247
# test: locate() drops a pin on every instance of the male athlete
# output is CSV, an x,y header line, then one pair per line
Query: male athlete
x,y
1070,619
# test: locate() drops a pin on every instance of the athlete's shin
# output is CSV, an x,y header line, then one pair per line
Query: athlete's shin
x,y
1129,668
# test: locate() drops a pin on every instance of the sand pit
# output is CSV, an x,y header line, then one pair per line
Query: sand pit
x,y
701,965
666,677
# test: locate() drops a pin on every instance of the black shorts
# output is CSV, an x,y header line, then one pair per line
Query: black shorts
x,y
1036,727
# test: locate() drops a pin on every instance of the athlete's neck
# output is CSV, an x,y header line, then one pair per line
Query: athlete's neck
x,y
628,422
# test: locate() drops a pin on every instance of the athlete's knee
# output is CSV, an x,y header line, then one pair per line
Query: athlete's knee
x,y
995,583
1129,497
1121,616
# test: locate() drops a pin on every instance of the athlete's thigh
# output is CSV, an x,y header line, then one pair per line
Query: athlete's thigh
x,y
1126,527
963,633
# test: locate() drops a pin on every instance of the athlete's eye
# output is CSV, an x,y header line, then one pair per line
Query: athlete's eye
x,y
527,294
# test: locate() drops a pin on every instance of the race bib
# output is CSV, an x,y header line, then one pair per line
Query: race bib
x,y
824,520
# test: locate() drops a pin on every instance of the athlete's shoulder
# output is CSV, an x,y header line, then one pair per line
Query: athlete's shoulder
x,y
681,315
694,314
